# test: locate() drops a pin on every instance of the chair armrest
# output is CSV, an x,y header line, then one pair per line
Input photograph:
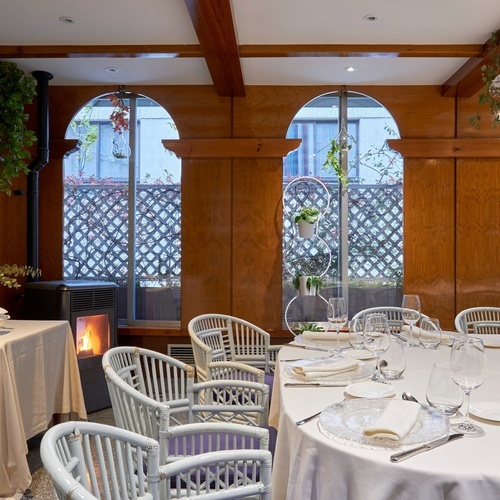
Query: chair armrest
x,y
231,370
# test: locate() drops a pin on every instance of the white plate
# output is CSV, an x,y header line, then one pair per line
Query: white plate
x,y
344,422
362,372
490,340
370,390
358,354
343,342
486,410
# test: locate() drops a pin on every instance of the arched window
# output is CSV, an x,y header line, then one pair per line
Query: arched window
x,y
363,225
122,198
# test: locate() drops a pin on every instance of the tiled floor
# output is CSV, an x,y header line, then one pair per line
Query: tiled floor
x,y
41,485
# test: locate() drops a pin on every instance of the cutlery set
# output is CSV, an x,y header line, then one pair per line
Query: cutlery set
x,y
397,457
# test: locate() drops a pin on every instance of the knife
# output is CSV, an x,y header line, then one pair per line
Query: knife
x,y
309,384
399,457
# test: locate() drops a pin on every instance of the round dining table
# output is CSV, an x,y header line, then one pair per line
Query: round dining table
x,y
309,465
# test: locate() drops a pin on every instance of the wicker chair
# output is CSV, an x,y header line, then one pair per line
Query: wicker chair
x,y
234,339
148,390
90,461
229,401
478,320
222,475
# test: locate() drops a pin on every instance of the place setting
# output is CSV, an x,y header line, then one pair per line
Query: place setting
x,y
4,317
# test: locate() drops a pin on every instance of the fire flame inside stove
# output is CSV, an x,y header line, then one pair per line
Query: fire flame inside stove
x,y
92,335
87,343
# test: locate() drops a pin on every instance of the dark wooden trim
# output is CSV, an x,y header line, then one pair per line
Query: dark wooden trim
x,y
58,148
446,148
231,148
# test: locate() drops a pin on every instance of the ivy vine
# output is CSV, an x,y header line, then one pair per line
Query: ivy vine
x,y
16,90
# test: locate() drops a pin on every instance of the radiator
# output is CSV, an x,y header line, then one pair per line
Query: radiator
x,y
182,352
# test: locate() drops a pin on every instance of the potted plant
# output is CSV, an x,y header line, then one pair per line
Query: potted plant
x,y
16,90
306,218
307,285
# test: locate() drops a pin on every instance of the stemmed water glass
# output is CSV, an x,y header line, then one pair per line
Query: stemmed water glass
x,y
410,312
337,316
377,337
468,370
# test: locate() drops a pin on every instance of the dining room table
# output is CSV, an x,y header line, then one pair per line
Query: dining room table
x,y
39,384
315,461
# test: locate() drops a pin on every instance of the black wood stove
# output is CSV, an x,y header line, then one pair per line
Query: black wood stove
x,y
90,308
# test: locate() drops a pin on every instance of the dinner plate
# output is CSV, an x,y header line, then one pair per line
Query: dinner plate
x,y
370,390
362,372
344,423
491,340
324,344
487,410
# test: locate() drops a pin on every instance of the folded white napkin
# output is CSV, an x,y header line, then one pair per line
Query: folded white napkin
x,y
396,421
325,336
320,370
3,311
416,331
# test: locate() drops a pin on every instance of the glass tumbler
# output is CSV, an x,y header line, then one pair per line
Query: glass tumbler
x,y
430,334
442,392
356,329
393,362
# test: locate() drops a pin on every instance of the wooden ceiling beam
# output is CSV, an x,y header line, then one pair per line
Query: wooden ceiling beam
x,y
250,51
468,80
97,51
329,50
214,26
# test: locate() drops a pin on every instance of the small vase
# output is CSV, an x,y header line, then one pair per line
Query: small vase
x,y
120,149
306,230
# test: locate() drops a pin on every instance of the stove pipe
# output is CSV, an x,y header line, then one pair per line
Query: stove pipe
x,y
41,159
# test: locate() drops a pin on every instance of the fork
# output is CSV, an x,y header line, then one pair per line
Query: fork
x,y
312,417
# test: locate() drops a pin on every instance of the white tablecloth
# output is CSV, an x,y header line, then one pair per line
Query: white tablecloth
x,y
308,465
39,377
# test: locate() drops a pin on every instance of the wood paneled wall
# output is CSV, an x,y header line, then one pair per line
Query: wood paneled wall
x,y
232,213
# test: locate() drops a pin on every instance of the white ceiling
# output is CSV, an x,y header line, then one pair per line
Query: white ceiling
x,y
129,22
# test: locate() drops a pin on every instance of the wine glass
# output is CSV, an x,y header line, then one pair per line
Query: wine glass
x,y
410,312
377,337
337,316
356,329
468,370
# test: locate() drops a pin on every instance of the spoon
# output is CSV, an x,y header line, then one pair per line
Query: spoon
x,y
408,397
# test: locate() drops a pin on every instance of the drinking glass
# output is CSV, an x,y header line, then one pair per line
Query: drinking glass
x,y
356,329
377,337
442,392
410,312
337,316
393,363
468,370
430,333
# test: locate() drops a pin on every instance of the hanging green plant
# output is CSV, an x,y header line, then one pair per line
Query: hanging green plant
x,y
16,90
490,75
